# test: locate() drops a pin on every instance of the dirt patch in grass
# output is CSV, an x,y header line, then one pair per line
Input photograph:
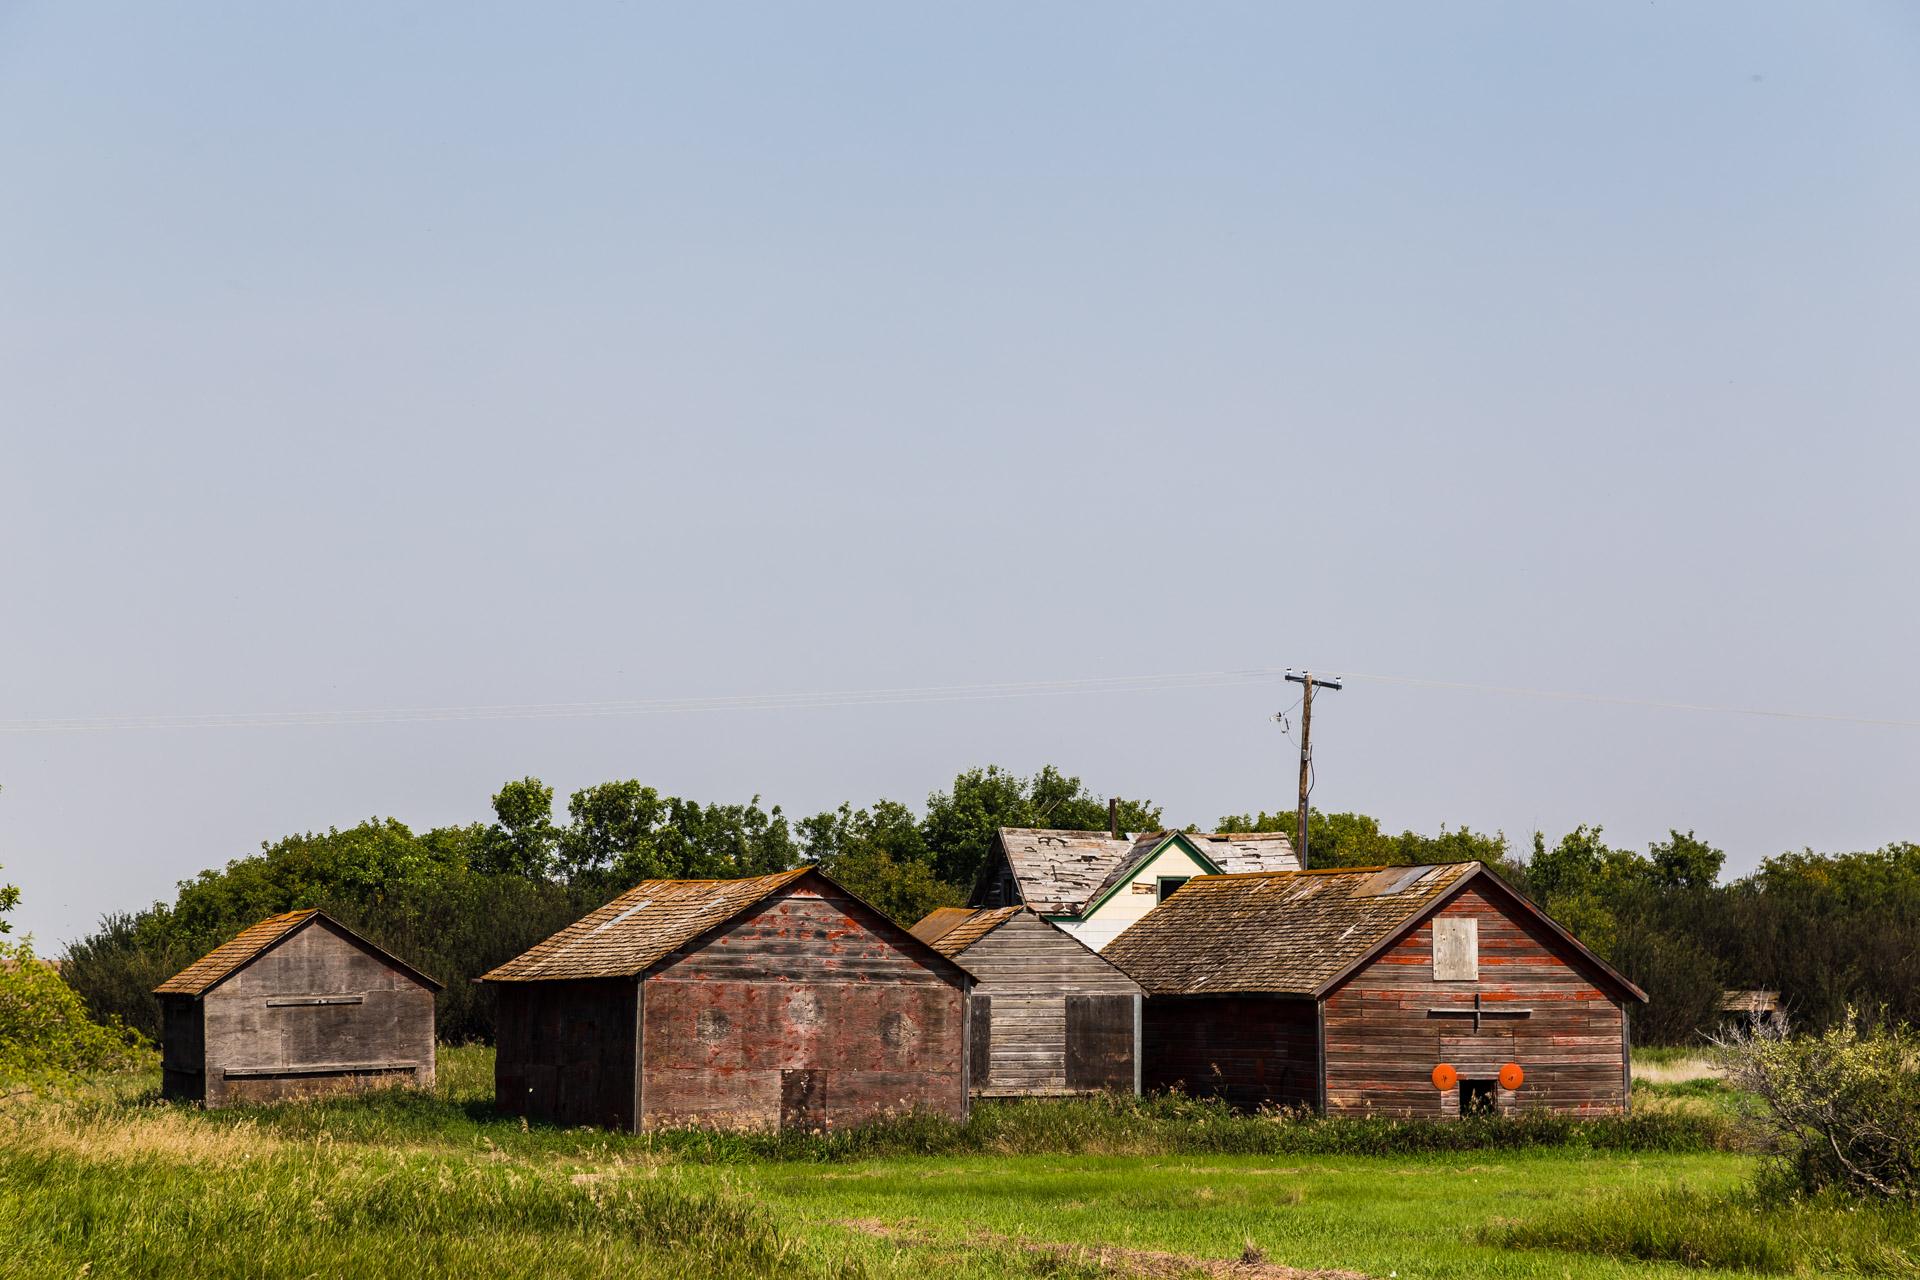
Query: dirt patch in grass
x,y
1112,1260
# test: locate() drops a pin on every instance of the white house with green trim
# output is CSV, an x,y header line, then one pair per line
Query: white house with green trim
x,y
1094,884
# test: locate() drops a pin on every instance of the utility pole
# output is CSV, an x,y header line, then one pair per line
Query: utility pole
x,y
1308,682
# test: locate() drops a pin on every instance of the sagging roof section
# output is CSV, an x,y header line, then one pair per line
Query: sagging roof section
x,y
951,930
1243,851
1298,932
643,925
227,959
938,921
1062,872
1059,871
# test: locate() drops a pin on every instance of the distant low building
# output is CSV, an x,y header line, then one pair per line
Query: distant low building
x,y
1407,991
771,1003
1050,1016
1762,1007
1095,884
298,1006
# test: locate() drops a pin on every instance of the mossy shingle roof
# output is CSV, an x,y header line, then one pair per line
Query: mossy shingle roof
x,y
227,959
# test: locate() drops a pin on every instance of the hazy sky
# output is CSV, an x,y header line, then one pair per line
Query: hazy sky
x,y
402,355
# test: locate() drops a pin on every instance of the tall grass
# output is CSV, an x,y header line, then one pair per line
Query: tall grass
x,y
1744,1231
459,1112
153,1196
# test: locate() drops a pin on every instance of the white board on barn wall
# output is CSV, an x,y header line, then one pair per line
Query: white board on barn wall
x,y
1456,949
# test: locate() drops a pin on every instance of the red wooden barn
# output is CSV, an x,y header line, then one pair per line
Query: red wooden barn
x,y
776,1002
1412,991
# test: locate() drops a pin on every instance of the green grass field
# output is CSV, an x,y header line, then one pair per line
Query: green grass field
x,y
113,1183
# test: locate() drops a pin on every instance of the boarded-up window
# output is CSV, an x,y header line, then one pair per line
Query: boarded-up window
x,y
803,1100
1100,1042
1456,949
980,1042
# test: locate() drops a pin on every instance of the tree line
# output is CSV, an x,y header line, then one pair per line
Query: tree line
x,y
1825,930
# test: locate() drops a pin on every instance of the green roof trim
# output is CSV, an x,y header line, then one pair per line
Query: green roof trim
x,y
1173,838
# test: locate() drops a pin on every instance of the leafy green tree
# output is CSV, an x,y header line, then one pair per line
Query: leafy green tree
x,y
9,899
1357,840
523,839
46,1033
1683,862
881,855
1570,866
723,840
960,824
613,825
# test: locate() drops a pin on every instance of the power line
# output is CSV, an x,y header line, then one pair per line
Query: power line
x,y
845,698
1635,702
657,706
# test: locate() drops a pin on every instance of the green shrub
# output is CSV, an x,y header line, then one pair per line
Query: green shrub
x,y
1842,1109
45,1033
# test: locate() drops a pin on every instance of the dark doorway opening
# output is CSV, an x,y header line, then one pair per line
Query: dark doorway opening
x,y
1477,1095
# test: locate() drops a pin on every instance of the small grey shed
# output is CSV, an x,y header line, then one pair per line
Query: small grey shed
x,y
1050,1015
296,1006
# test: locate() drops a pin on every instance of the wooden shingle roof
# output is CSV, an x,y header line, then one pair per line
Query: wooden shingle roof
x,y
938,921
625,937
1243,851
1062,872
1296,932
951,930
227,959
1059,871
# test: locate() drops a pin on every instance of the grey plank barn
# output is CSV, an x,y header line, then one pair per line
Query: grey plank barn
x,y
1050,1015
296,1006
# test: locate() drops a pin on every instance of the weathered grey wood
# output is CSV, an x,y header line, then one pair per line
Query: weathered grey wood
x,y
317,1012
1456,949
1028,970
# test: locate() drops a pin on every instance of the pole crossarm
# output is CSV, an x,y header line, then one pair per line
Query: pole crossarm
x,y
1308,682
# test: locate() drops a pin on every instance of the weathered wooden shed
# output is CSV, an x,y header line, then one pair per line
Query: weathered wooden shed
x,y
297,1006
776,1002
1410,991
1049,1015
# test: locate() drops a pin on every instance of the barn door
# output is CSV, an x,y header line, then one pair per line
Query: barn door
x,y
1100,1042
980,1043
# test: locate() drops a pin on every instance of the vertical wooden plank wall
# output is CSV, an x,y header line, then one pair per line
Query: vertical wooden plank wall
x,y
1382,1041
1028,968
1249,1050
259,1050
810,1008
566,1050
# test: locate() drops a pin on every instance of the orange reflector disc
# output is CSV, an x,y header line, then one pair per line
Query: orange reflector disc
x,y
1445,1077
1511,1075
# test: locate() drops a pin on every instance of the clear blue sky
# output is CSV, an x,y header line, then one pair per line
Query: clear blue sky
x,y
396,355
